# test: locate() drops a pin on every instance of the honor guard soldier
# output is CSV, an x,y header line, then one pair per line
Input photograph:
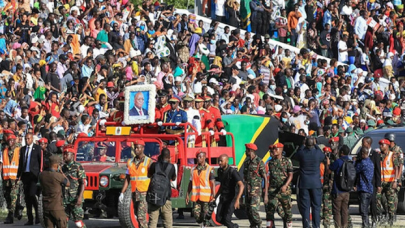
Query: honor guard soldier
x,y
11,156
253,173
202,188
137,175
206,118
280,177
43,142
73,199
175,115
193,117
216,113
163,105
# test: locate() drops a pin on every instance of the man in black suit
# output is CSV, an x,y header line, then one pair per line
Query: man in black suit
x,y
137,110
310,186
376,159
170,41
30,166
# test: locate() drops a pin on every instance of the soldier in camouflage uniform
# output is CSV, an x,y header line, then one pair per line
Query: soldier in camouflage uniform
x,y
73,199
389,171
43,142
400,155
253,173
280,176
9,161
332,154
350,139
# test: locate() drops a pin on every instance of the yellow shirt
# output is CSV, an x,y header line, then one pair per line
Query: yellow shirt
x,y
16,78
135,68
99,92
34,20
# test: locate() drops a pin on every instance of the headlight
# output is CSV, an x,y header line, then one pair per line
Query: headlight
x,y
104,181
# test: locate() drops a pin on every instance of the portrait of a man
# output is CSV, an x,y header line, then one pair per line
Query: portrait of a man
x,y
138,109
139,104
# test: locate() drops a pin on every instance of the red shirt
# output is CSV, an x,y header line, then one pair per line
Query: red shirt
x,y
54,109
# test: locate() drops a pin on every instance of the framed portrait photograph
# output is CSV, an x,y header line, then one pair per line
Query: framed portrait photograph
x,y
139,104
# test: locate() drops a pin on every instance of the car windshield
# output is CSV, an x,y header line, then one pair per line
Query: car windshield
x,y
399,139
152,150
96,151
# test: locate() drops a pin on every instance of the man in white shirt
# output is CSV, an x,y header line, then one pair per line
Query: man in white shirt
x,y
343,52
360,25
220,10
98,50
85,46
225,35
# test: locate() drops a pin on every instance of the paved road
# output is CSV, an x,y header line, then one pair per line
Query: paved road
x,y
189,222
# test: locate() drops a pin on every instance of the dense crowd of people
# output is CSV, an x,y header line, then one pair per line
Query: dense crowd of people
x,y
64,66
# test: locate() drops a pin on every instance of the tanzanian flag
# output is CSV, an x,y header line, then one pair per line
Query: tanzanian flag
x,y
260,130
245,14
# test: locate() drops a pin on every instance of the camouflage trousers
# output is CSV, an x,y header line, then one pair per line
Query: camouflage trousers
x,y
277,199
326,213
141,209
75,213
200,209
253,207
389,193
10,190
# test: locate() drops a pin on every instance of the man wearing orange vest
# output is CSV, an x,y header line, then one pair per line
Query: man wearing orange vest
x,y
389,170
137,175
11,156
202,188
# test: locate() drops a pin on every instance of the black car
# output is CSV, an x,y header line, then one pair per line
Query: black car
x,y
376,136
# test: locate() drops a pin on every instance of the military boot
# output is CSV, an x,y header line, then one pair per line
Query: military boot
x,y
18,212
374,222
384,220
9,219
391,220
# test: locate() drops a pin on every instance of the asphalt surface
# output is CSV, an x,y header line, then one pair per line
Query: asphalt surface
x,y
190,222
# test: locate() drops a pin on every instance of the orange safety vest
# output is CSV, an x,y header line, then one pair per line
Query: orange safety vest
x,y
201,185
387,169
322,168
10,168
139,175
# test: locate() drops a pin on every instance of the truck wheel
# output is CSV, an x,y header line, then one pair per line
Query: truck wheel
x,y
401,201
126,212
213,221
41,211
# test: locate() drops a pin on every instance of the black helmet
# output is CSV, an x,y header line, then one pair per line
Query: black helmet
x,y
390,136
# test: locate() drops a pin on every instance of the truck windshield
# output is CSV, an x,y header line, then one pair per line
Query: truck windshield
x,y
152,150
96,151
